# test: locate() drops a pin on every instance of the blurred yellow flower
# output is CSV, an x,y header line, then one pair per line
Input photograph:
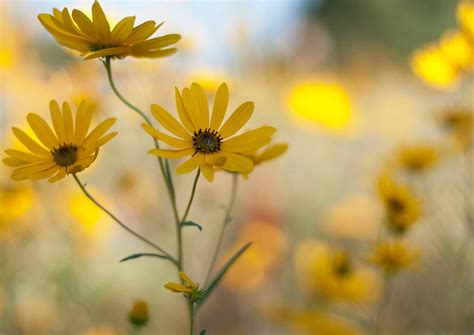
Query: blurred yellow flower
x,y
95,38
69,149
322,103
206,141
35,316
393,256
209,79
458,50
190,290
417,158
402,207
465,16
330,273
138,314
257,262
459,122
15,201
315,322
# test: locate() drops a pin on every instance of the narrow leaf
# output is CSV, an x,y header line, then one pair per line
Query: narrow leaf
x,y
191,223
142,255
217,279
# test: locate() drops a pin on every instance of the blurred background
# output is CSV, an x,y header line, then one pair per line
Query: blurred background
x,y
377,127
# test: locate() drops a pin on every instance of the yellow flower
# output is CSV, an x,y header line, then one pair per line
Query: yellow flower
x,y
69,149
190,290
393,256
402,207
207,142
417,158
459,122
138,314
269,153
15,201
95,38
331,274
465,16
315,322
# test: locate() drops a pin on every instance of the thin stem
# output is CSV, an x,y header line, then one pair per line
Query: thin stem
x,y
191,318
383,302
191,198
225,222
143,239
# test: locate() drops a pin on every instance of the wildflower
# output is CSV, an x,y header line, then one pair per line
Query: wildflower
x,y
190,290
459,123
138,315
331,273
207,142
417,158
393,256
95,38
402,207
465,16
15,201
69,149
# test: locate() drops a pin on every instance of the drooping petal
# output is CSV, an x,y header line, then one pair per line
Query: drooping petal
x,y
237,163
206,169
58,176
42,131
173,141
249,141
171,153
169,122
58,122
30,144
237,120
220,106
189,165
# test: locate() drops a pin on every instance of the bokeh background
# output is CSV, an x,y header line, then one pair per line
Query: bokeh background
x,y
336,78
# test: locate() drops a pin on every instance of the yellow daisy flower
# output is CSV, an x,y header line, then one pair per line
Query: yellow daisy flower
x,y
393,256
207,142
69,149
402,207
190,290
465,16
138,314
417,158
95,38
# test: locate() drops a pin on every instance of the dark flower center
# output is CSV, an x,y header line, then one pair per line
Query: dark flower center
x,y
207,141
65,155
396,205
342,264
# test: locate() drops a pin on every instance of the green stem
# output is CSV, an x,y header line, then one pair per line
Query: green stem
x,y
191,318
225,222
143,239
191,198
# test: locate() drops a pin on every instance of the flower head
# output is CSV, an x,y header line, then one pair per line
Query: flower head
x,y
417,158
209,142
190,290
459,123
70,148
393,256
95,38
402,207
138,314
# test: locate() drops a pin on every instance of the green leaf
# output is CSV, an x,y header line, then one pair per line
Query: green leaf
x,y
142,255
168,179
191,223
217,279
203,332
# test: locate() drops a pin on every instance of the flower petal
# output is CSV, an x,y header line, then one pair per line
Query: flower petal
x,y
200,97
106,138
123,29
27,157
237,163
189,165
101,129
100,23
220,106
249,141
30,144
206,169
173,141
42,131
85,24
183,114
68,122
191,106
157,42
58,176
154,53
117,51
83,122
171,153
169,122
14,162
142,32
57,119
237,120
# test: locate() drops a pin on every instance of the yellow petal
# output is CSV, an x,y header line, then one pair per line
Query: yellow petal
x,y
30,144
249,141
117,51
220,106
57,119
169,122
14,162
173,141
189,165
100,23
199,96
186,279
178,288
183,114
237,163
123,29
142,32
272,152
83,121
153,53
68,122
237,120
106,138
206,169
191,106
217,159
27,157
91,139
37,175
58,176
171,153
33,168
85,24
42,131
157,42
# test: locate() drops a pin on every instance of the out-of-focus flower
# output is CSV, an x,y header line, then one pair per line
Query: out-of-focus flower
x,y
69,149
206,141
459,122
35,317
101,331
190,290
15,201
95,38
331,274
417,158
402,207
465,16
458,50
209,79
356,217
315,322
321,103
393,256
257,262
138,314
270,152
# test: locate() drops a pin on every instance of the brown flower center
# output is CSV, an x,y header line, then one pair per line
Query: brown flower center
x,y
65,155
207,141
